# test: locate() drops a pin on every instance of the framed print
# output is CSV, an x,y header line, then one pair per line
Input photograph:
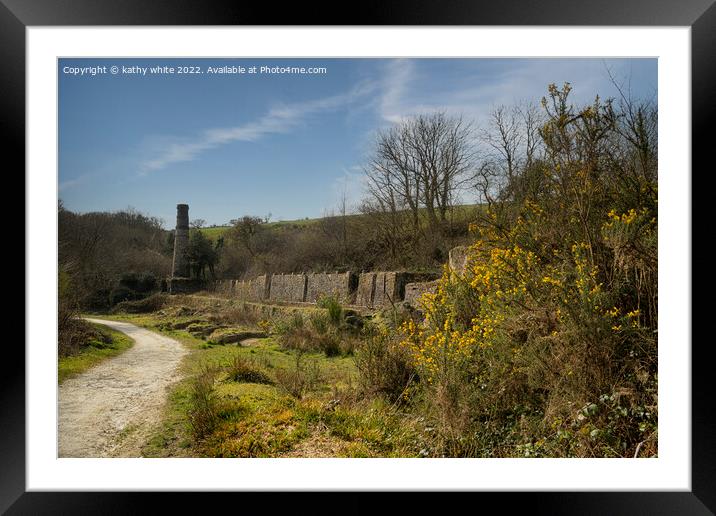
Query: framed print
x,y
417,252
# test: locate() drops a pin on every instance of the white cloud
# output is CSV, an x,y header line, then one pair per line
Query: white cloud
x,y
279,119
395,89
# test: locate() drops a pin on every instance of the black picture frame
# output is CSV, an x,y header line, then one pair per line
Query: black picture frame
x,y
700,15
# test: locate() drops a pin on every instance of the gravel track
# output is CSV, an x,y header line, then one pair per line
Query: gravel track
x,y
112,408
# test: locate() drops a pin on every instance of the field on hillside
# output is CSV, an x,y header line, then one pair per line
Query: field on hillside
x,y
214,232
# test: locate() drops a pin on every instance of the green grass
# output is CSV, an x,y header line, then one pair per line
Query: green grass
x,y
95,352
330,418
215,232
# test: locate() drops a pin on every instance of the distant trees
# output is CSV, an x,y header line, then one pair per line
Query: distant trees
x,y
203,254
95,249
245,231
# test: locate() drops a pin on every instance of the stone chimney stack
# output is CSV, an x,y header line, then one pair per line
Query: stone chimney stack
x,y
180,266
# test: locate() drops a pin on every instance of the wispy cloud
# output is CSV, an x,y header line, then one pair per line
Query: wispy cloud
x,y
395,89
70,183
409,89
279,119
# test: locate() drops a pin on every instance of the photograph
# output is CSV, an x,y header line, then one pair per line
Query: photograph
x,y
358,257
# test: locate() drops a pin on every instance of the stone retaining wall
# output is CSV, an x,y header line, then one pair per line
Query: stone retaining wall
x,y
339,285
366,289
289,288
378,289
413,291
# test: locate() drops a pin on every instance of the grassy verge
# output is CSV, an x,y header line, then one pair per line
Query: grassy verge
x,y
261,400
108,343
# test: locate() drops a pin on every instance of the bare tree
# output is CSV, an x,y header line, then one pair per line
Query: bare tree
x,y
420,163
513,142
392,174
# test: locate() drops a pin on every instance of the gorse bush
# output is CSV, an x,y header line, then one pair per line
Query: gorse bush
x,y
556,308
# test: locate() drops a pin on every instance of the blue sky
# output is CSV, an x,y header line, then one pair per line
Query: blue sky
x,y
285,144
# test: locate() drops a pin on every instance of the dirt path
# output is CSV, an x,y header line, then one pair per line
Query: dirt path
x,y
111,409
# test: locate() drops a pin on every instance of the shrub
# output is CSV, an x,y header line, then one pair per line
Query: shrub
x,y
245,370
140,306
334,309
237,315
133,286
325,336
203,407
318,335
329,343
385,366
319,323
121,293
143,282
301,378
509,349
293,334
73,333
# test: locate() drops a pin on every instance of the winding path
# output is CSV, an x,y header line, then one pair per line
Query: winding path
x,y
110,410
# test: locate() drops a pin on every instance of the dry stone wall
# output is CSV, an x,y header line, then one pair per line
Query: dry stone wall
x,y
387,288
413,291
259,287
383,288
256,289
377,289
339,285
366,289
288,288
